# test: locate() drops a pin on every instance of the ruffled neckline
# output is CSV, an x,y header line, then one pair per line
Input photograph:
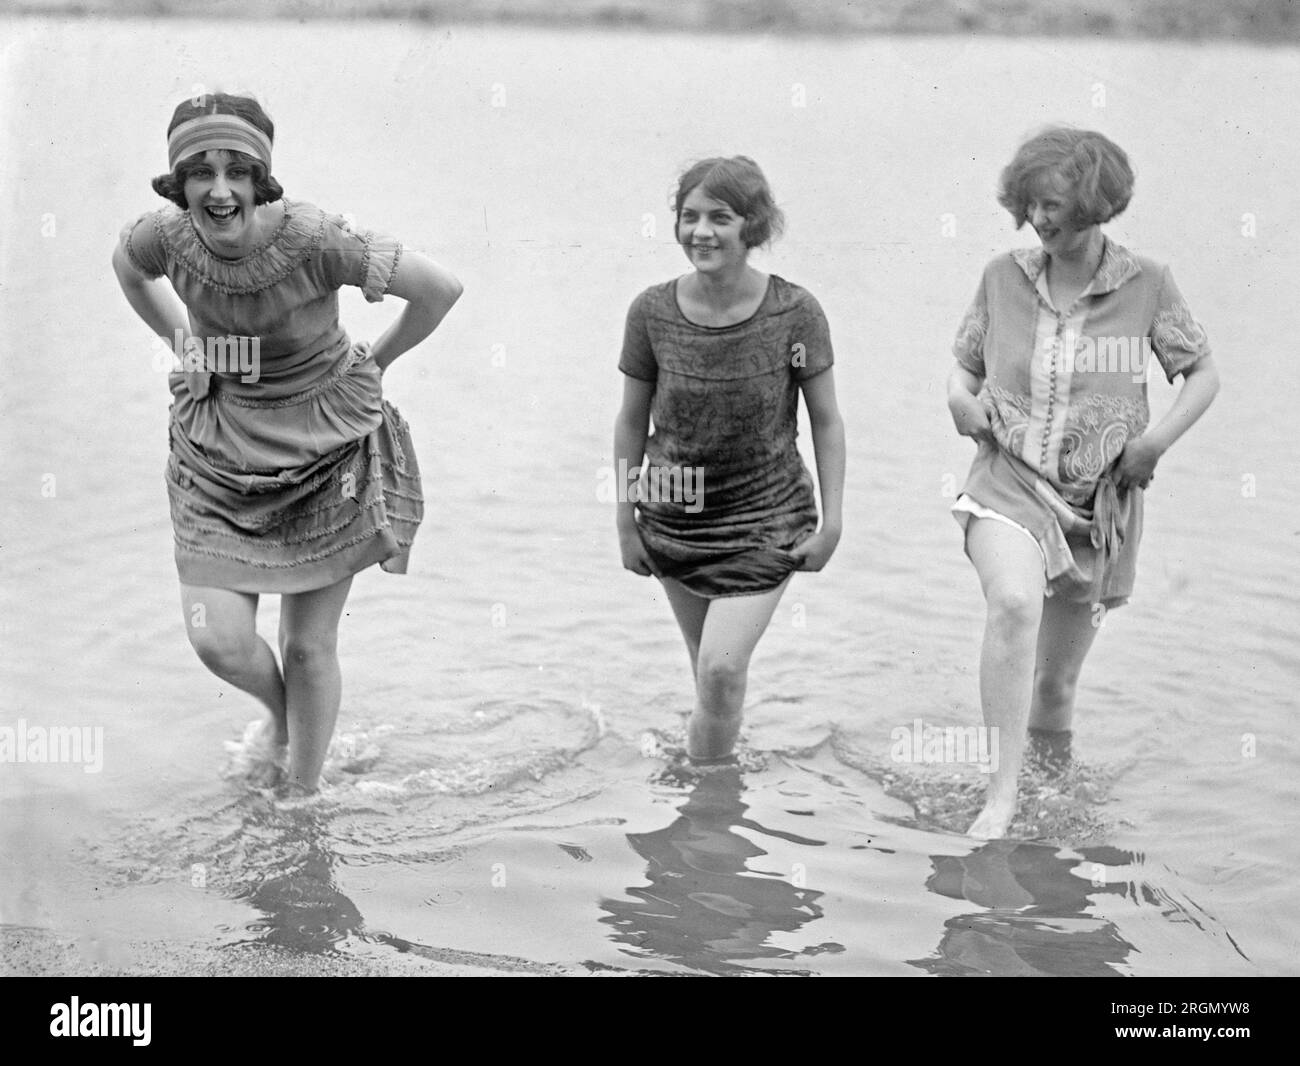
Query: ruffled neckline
x,y
294,241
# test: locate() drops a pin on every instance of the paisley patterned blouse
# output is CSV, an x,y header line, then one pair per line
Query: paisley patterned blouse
x,y
1065,389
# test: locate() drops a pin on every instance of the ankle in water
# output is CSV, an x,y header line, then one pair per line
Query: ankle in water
x,y
716,760
1050,748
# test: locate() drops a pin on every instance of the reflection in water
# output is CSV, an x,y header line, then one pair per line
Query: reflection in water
x,y
287,871
703,908
304,910
1038,922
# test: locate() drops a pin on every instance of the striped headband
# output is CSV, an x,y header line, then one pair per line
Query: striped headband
x,y
209,132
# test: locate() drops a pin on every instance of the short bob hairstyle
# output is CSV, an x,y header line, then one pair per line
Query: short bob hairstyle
x,y
1094,167
739,184
266,189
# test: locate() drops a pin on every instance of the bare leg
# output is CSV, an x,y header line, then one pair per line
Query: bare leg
x,y
732,628
222,627
689,610
313,685
1010,568
1064,638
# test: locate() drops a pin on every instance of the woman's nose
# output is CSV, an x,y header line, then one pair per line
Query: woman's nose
x,y
220,187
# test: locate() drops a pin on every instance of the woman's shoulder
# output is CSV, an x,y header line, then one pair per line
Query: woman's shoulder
x,y
145,239
1141,265
337,226
1016,261
655,301
785,296
162,222
788,292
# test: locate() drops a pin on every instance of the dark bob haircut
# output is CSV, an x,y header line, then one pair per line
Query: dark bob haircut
x,y
739,184
266,189
1095,168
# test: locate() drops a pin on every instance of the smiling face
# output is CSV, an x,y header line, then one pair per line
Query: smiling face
x,y
709,232
1051,210
220,195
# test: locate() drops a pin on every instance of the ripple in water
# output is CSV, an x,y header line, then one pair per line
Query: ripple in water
x,y
388,794
1060,796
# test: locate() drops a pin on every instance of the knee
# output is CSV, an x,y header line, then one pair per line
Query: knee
x,y
222,651
1054,691
720,673
1013,610
307,651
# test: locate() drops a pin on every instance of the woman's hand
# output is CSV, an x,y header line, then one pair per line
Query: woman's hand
x,y
815,552
969,416
1137,464
635,556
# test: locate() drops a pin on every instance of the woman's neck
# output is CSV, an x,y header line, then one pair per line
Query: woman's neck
x,y
1078,265
722,290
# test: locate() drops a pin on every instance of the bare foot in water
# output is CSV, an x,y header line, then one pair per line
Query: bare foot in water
x,y
993,820
267,749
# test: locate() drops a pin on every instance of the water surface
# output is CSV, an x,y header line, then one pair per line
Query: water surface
x,y
504,794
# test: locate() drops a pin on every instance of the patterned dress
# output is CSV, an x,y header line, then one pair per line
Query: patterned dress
x,y
1065,390
724,495
288,471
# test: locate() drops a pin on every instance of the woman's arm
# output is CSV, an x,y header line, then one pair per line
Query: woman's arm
x,y
1137,463
968,414
828,447
630,430
151,298
429,292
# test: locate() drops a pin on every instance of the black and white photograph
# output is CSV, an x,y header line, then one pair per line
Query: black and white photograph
x,y
626,488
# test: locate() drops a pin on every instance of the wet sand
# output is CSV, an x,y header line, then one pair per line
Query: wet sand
x,y
41,953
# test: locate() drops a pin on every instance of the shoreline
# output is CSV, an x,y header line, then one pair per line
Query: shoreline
x,y
31,951
1260,22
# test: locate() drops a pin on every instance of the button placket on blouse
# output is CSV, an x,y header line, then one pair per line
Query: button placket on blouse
x,y
1058,346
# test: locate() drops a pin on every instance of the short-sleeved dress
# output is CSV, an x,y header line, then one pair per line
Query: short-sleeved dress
x,y
288,471
725,495
1065,390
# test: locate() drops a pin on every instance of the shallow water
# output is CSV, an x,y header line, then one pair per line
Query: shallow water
x,y
504,793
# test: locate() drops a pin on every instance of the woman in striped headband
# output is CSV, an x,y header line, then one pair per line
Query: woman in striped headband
x,y
288,470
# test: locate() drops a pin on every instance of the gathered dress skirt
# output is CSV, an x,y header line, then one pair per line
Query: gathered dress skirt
x,y
295,491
